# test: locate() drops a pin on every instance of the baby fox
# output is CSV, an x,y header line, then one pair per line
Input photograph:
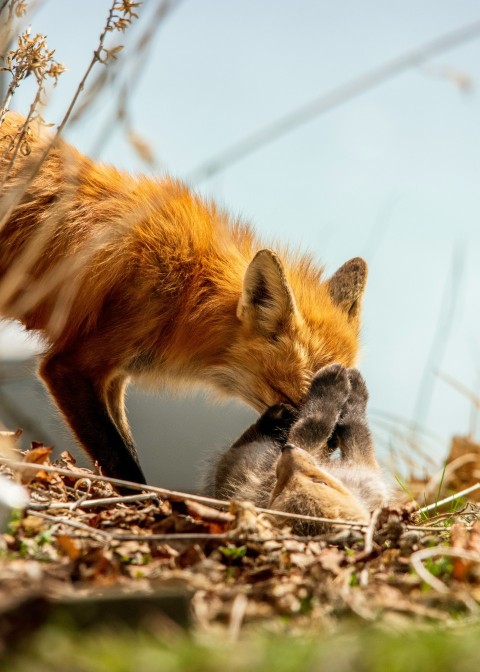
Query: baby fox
x,y
284,461
137,278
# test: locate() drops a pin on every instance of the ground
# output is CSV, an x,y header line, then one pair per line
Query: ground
x,y
184,580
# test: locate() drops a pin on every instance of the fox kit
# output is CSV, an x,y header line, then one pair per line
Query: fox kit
x,y
138,278
284,461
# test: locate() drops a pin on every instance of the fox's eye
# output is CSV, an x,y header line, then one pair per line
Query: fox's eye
x,y
318,481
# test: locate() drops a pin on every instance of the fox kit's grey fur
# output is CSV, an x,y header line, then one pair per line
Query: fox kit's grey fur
x,y
285,459
246,470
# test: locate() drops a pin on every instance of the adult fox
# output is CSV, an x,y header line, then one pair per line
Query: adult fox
x,y
136,278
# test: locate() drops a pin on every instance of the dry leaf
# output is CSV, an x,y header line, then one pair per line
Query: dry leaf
x,y
34,456
331,559
69,547
33,524
466,540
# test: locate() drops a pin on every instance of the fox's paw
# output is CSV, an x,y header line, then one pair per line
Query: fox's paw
x,y
356,403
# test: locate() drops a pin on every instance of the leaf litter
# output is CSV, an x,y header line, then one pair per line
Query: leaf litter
x,y
229,567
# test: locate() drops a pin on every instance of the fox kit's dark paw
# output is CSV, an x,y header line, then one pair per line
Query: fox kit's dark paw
x,y
355,406
277,421
329,386
321,410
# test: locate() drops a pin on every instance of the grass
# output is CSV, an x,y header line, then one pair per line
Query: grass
x,y
437,498
55,649
404,486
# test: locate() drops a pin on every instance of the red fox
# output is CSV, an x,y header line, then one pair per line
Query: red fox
x,y
284,461
137,278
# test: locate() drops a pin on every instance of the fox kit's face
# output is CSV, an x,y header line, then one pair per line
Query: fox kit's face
x,y
303,487
290,330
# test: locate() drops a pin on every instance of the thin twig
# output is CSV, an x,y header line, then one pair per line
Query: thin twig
x,y
418,557
96,58
229,537
81,500
34,507
91,503
173,494
449,469
140,54
425,528
368,545
446,516
19,138
105,536
452,498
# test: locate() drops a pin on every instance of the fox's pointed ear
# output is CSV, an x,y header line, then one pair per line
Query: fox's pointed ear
x,y
267,302
347,285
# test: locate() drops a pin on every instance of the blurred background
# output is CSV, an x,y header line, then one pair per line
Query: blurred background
x,y
342,129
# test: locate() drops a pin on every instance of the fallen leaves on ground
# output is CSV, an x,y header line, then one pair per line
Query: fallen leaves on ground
x,y
236,566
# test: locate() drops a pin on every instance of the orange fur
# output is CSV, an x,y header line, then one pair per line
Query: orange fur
x,y
143,281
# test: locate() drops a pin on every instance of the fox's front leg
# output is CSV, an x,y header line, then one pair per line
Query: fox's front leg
x,y
321,410
352,431
115,396
84,400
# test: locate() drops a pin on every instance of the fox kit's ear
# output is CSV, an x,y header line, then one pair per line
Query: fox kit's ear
x,y
266,302
347,285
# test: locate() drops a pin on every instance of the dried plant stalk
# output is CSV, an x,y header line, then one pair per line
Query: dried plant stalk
x,y
33,57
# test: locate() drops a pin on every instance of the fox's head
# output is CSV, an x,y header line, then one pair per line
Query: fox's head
x,y
292,323
303,486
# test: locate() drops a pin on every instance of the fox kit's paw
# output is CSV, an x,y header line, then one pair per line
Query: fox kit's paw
x,y
329,386
355,407
320,412
277,421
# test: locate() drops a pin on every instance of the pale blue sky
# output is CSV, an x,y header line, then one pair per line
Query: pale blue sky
x,y
392,175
